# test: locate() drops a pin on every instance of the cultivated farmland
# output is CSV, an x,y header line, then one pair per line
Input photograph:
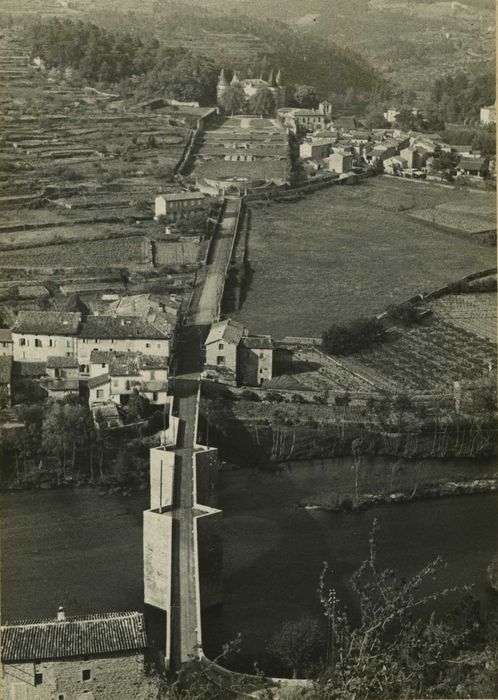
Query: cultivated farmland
x,y
347,252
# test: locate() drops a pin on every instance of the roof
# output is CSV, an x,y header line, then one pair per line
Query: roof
x,y
62,385
472,163
94,382
47,322
30,369
5,369
103,633
153,362
124,364
54,362
228,331
5,335
155,385
122,327
257,342
100,357
181,196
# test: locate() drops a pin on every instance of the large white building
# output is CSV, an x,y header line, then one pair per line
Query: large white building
x,y
36,335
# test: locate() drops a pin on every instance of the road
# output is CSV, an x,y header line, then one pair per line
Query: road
x,y
184,636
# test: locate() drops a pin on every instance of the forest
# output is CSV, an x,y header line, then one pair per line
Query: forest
x,y
144,62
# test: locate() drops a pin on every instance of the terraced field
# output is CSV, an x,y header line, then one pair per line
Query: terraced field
x,y
425,358
475,313
104,253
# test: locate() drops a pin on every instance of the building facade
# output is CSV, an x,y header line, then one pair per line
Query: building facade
x,y
175,204
96,657
36,335
251,86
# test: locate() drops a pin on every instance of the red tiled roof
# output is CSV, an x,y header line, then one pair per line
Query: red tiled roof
x,y
76,636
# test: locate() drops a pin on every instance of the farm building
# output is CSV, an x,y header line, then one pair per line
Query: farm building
x,y
475,167
36,335
315,149
178,203
125,373
93,656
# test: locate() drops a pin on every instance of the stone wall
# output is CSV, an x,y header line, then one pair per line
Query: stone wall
x,y
112,677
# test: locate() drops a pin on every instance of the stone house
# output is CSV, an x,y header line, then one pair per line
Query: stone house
x,y
6,345
254,360
99,389
222,343
122,334
125,373
175,204
36,335
62,377
92,657
340,162
311,119
248,358
315,149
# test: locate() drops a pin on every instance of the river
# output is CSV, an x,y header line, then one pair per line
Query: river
x,y
84,551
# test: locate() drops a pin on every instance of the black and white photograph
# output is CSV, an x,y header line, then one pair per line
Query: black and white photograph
x,y
248,350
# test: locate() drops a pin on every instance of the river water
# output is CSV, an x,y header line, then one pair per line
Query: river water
x,y
84,551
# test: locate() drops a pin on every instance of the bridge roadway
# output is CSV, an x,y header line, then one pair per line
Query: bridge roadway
x,y
205,309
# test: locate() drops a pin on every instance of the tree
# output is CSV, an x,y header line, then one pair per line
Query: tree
x,y
305,96
299,645
351,337
233,99
263,102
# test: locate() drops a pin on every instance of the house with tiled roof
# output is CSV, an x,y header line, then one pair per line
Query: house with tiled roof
x,y
68,658
120,334
116,376
229,347
176,203
36,335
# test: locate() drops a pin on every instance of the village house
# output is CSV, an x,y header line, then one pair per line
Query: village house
x,y
36,335
121,334
222,343
72,658
488,114
125,373
254,360
230,347
6,344
340,162
395,165
62,377
315,149
175,204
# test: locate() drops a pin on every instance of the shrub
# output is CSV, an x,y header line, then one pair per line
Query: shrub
x,y
352,337
274,397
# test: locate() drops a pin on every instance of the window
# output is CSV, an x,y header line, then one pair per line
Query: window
x,y
68,343
60,696
147,345
220,360
154,396
100,393
86,674
152,374
261,355
103,365
38,678
51,343
38,343
22,341
159,345
220,346
115,382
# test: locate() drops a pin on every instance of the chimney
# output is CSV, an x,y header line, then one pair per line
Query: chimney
x,y
61,615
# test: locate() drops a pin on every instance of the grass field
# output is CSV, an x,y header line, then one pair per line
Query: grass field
x,y
347,252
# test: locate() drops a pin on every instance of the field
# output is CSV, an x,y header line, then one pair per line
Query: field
x,y
425,358
475,313
350,251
